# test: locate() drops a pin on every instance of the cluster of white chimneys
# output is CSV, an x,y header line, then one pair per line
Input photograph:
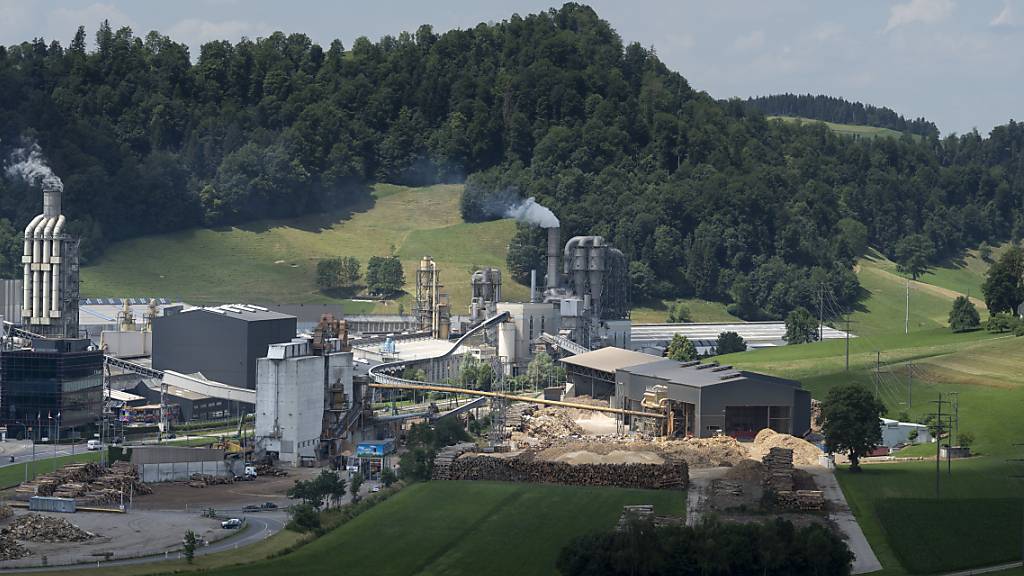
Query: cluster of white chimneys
x,y
42,299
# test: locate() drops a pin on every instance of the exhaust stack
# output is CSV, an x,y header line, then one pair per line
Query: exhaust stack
x,y
553,239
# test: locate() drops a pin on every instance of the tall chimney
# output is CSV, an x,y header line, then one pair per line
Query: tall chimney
x,y
533,285
51,199
552,278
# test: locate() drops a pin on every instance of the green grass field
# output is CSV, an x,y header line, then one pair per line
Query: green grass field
x,y
984,369
855,130
274,261
455,528
11,476
700,311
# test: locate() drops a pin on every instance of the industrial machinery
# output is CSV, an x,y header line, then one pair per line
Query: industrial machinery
x,y
50,259
433,310
486,286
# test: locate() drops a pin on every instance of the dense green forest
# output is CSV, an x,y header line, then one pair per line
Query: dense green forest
x,y
833,109
705,197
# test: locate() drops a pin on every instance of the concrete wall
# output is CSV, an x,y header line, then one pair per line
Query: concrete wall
x,y
178,471
170,454
542,317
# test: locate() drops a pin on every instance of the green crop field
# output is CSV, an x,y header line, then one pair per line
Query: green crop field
x,y
457,528
274,261
987,373
855,130
700,311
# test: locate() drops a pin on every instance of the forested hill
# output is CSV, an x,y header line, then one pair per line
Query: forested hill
x,y
833,109
706,198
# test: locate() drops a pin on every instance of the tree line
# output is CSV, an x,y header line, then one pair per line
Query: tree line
x,y
340,276
705,198
839,110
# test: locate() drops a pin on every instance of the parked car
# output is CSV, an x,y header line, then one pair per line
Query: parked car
x,y
252,507
352,468
94,445
231,524
375,488
269,506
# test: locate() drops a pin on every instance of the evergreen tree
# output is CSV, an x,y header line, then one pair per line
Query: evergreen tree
x,y
964,316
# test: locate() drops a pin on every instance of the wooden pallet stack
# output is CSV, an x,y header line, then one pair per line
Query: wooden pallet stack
x,y
778,464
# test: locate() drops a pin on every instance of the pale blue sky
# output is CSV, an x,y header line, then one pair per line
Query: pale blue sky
x,y
956,62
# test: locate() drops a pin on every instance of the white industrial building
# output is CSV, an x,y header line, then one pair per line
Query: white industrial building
x,y
895,432
293,393
654,338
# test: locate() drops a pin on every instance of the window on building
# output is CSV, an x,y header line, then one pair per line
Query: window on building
x,y
531,327
542,324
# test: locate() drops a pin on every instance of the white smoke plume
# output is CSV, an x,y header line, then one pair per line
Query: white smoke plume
x,y
28,164
531,212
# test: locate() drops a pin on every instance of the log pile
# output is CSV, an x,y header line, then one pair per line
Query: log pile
x,y
801,500
638,513
551,422
10,549
268,470
50,529
518,469
779,469
88,483
5,512
203,480
445,457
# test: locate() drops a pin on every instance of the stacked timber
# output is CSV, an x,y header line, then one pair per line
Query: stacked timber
x,y
203,480
800,500
638,513
50,529
518,469
778,464
516,414
88,483
445,457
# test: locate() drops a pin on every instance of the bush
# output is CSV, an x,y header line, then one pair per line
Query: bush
x,y
966,439
964,316
304,518
729,342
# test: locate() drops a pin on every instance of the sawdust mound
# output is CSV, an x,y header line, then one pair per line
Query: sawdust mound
x,y
704,452
39,528
804,453
551,422
613,457
746,471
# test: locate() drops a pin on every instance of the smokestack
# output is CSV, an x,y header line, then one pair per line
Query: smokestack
x,y
51,198
552,279
533,285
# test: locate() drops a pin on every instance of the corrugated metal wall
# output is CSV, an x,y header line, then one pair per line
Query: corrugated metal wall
x,y
10,300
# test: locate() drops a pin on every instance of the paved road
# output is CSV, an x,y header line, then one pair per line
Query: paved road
x,y
22,451
260,527
864,560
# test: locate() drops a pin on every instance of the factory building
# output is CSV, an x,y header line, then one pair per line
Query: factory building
x,y
303,391
702,399
190,405
223,342
51,371
51,377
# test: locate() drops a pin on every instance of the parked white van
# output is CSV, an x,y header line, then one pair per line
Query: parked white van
x,y
94,445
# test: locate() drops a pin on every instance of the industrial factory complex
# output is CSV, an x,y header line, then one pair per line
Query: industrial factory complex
x,y
314,379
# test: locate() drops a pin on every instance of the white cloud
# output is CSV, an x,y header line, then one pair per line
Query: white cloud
x,y
62,22
752,41
826,31
926,11
1007,17
195,32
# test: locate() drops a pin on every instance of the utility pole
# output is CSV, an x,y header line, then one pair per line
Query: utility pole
x,y
821,312
847,342
906,322
938,442
956,416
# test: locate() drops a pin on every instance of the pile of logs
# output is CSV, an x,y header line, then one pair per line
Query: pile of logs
x,y
40,528
88,483
669,475
445,457
778,464
801,500
203,480
10,549
5,512
268,470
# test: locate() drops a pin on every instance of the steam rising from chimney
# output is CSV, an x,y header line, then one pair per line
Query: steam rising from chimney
x,y
531,212
28,164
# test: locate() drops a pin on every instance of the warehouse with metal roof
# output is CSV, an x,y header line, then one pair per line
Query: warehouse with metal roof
x,y
701,399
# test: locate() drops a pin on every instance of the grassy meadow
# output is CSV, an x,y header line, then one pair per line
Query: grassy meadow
x,y
274,261
854,130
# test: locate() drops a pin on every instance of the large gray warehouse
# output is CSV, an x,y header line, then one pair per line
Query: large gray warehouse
x,y
223,342
704,399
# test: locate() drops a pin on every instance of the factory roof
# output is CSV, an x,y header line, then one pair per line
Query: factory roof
x,y
178,392
698,375
306,312
246,312
755,333
610,359
123,396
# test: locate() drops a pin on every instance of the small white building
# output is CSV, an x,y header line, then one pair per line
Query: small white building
x,y
895,432
291,396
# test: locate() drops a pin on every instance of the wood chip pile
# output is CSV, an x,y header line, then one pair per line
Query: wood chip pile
x,y
519,469
40,528
5,512
804,453
550,422
88,483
